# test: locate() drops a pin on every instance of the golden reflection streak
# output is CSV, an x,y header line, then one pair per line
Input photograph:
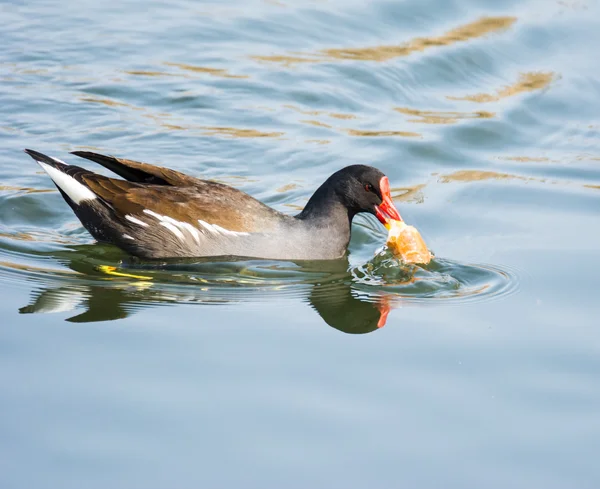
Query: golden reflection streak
x,y
451,117
527,159
241,133
294,206
414,193
109,102
527,82
218,72
234,180
287,60
85,147
316,123
162,118
27,190
473,30
147,73
361,133
335,115
409,194
478,175
174,127
302,111
287,187
318,141
478,28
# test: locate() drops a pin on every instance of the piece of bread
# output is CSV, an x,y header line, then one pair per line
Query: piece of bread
x,y
406,243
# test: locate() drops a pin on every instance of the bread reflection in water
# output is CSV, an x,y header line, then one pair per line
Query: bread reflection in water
x,y
326,286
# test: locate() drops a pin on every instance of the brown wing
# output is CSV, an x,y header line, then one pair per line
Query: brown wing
x,y
135,171
211,202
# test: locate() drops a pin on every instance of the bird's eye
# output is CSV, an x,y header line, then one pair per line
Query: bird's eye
x,y
368,187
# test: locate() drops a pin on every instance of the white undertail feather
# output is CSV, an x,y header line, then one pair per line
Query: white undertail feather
x,y
76,191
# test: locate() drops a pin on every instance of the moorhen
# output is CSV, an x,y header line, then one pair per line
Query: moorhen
x,y
161,213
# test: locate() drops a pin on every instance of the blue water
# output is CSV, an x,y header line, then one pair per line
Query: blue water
x,y
486,118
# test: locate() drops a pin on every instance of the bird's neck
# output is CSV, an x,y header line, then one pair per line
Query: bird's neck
x,y
327,221
325,208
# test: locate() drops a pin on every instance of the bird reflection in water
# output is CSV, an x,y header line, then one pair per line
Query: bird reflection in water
x,y
327,286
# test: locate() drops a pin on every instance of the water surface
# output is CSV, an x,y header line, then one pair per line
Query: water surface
x,y
479,370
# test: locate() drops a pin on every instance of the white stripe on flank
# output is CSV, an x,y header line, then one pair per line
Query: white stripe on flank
x,y
176,227
184,225
207,226
126,236
216,229
76,191
153,214
192,230
168,219
219,229
135,220
173,229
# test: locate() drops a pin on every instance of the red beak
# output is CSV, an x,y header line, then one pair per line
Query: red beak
x,y
386,211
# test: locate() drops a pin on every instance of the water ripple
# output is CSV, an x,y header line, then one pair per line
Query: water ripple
x,y
441,280
74,277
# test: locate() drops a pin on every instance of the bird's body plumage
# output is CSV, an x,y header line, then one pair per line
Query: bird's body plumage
x,y
156,212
